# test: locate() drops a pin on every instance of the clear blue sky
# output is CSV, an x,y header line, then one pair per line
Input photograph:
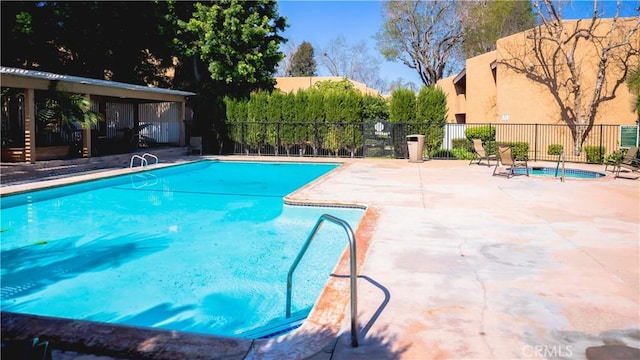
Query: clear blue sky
x,y
319,21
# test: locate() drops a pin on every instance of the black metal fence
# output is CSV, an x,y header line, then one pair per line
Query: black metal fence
x,y
384,139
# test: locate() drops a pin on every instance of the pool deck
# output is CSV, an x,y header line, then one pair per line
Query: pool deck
x,y
461,264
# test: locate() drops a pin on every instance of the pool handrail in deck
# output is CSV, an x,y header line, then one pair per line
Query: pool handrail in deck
x,y
143,161
352,273
560,158
144,156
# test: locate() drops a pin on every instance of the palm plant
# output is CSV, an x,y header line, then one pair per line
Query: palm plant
x,y
64,110
633,83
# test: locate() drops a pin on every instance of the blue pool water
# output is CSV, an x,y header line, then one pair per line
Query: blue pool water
x,y
570,173
203,247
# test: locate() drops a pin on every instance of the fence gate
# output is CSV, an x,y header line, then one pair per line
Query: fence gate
x,y
377,139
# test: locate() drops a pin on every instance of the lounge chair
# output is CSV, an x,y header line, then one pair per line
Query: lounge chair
x,y
480,153
630,162
507,159
195,145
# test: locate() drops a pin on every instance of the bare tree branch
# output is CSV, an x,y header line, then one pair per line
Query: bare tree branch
x,y
565,55
422,35
352,61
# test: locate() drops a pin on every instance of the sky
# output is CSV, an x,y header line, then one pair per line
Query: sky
x,y
317,22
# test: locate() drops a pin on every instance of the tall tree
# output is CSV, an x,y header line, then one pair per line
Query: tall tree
x,y
374,108
422,34
236,114
489,20
582,63
227,48
400,83
402,106
402,109
237,41
289,48
302,61
214,48
431,109
123,41
352,61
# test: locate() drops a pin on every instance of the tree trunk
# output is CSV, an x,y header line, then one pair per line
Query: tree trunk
x,y
578,136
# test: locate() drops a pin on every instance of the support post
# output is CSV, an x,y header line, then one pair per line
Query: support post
x,y
30,126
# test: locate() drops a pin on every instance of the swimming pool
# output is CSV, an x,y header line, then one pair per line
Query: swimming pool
x,y
552,172
202,248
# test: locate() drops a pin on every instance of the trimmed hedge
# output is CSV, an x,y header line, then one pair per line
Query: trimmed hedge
x,y
455,153
461,143
520,150
463,154
554,149
595,154
485,133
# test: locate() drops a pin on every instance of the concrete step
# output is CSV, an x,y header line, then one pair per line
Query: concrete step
x,y
15,173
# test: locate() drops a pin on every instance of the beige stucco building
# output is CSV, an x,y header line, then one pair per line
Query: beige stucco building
x,y
295,83
505,86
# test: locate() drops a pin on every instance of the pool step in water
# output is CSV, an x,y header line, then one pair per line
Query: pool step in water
x,y
553,172
277,327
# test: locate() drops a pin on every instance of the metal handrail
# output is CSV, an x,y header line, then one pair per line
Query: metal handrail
x,y
145,176
150,155
143,161
352,273
560,156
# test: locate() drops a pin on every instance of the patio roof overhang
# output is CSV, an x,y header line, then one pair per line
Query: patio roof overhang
x,y
40,80
32,80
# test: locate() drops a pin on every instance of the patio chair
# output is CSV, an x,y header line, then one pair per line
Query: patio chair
x,y
480,153
506,158
195,145
630,162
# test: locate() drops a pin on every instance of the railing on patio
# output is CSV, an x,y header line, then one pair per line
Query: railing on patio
x,y
384,139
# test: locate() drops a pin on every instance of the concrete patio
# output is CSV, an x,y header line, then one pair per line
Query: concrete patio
x,y
466,265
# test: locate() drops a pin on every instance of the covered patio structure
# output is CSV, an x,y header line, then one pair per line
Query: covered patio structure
x,y
132,115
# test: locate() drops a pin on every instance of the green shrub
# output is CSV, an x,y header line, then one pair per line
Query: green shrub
x,y
616,156
441,154
595,154
402,106
463,154
485,133
554,149
461,143
520,150
431,110
456,153
490,147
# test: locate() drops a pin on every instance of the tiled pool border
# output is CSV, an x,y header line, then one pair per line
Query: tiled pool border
x,y
320,329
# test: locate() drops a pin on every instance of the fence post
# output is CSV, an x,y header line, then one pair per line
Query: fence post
x,y
600,150
362,127
535,143
317,140
243,143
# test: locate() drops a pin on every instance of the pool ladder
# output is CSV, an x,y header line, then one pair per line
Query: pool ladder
x,y
352,273
143,159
